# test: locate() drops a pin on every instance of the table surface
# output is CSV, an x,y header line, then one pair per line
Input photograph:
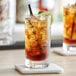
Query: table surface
x,y
8,59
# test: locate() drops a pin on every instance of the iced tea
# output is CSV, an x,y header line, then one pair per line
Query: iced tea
x,y
36,38
70,24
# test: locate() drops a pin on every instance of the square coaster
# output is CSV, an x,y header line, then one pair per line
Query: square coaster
x,y
66,53
52,68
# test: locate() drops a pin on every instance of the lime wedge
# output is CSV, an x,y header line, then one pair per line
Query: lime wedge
x,y
47,13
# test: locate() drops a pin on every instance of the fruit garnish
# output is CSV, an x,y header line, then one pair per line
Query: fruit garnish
x,y
47,13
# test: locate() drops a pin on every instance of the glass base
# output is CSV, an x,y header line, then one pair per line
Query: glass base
x,y
69,47
6,41
36,64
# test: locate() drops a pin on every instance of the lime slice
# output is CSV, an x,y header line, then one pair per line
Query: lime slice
x,y
47,13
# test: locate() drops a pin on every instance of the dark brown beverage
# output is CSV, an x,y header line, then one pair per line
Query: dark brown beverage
x,y
36,39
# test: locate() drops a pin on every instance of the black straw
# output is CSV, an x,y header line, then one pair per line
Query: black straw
x,y
30,9
73,25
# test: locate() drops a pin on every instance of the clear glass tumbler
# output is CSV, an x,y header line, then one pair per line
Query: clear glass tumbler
x,y
6,24
69,19
37,41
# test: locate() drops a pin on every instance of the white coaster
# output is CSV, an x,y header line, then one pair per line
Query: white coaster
x,y
62,52
52,68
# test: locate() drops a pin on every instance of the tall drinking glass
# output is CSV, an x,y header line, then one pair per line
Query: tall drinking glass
x,y
37,41
69,19
7,22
